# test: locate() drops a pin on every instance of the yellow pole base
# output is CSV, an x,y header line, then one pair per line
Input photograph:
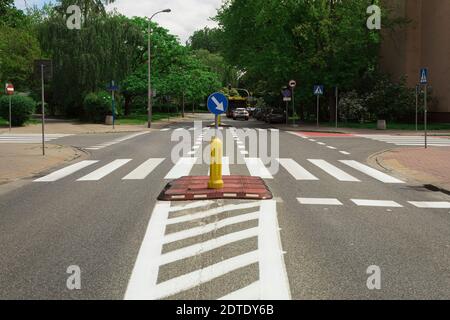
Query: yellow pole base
x,y
215,178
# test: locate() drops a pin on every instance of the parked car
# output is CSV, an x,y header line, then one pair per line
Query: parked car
x,y
276,116
241,113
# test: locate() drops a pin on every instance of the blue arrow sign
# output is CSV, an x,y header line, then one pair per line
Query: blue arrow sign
x,y
424,76
318,90
217,103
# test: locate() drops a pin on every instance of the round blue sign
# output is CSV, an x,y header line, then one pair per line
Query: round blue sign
x,y
217,103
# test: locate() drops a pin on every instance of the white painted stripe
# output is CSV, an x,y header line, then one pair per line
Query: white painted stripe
x,y
431,205
198,277
330,147
312,140
206,246
193,205
212,212
345,152
257,169
320,201
166,129
380,176
321,143
225,167
104,171
251,292
272,270
197,231
62,173
144,170
376,203
243,152
296,170
333,171
182,168
142,283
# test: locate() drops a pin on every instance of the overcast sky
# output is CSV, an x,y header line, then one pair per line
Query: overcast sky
x,y
186,17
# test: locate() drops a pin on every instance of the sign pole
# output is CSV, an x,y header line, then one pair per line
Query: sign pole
x,y
337,95
417,107
426,116
10,113
287,113
293,106
43,110
318,102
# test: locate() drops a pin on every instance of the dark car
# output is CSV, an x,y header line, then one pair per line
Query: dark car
x,y
276,116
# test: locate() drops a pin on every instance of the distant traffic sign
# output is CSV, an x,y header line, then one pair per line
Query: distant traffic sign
x,y
424,76
217,103
9,89
318,90
292,83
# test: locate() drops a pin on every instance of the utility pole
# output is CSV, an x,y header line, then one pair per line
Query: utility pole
x,y
43,110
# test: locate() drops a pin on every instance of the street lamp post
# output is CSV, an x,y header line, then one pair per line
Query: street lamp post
x,y
149,67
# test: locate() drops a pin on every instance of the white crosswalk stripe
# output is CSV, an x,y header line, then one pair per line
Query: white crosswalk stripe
x,y
409,140
296,170
371,172
104,171
182,168
257,169
29,138
272,283
333,171
144,169
62,173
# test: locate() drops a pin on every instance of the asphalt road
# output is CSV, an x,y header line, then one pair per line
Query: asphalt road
x,y
129,245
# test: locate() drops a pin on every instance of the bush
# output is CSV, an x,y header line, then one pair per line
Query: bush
x,y
96,106
21,109
352,107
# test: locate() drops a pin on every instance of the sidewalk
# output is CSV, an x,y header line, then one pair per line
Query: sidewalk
x,y
310,128
429,167
19,161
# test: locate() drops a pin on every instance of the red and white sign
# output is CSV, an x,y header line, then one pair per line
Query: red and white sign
x,y
292,83
9,89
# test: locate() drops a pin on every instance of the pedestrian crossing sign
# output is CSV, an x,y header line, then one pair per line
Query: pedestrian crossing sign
x,y
424,76
318,90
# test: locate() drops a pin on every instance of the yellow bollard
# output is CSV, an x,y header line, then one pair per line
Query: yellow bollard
x,y
218,121
215,177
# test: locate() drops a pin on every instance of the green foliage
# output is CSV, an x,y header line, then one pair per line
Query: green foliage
x,y
96,106
21,109
206,39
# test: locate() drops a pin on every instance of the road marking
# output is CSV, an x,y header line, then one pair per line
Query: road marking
x,y
330,147
345,152
198,231
144,169
105,170
62,173
166,129
142,283
296,170
431,205
272,270
212,212
320,201
182,168
380,176
376,203
321,143
333,171
193,205
209,245
257,169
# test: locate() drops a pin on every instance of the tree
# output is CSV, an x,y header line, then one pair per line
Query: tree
x,y
205,38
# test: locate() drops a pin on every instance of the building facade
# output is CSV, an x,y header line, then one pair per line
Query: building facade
x,y
422,41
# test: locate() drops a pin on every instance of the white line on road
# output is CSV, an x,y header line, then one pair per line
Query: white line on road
x,y
251,292
320,201
104,171
431,205
192,205
142,284
272,270
333,171
57,175
143,170
380,176
182,168
296,170
345,152
257,169
376,203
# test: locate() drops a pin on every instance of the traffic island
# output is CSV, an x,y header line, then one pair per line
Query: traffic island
x,y
235,187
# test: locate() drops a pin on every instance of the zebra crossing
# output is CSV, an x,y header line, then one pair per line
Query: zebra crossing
x,y
29,138
255,167
193,221
409,140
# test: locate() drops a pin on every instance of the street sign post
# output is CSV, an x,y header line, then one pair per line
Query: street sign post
x,y
417,106
113,88
10,92
217,105
293,84
44,68
424,81
318,91
287,97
